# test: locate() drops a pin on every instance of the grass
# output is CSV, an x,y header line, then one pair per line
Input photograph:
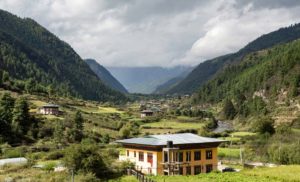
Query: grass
x,y
229,153
277,174
125,179
158,131
99,110
284,173
109,110
242,134
174,125
231,139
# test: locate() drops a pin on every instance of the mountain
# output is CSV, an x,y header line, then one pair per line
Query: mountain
x,y
36,60
145,79
206,70
270,73
105,76
163,88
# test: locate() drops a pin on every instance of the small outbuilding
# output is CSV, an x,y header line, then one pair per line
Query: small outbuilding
x,y
146,113
13,161
49,109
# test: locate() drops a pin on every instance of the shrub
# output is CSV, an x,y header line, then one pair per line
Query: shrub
x,y
14,152
265,125
54,155
49,166
85,159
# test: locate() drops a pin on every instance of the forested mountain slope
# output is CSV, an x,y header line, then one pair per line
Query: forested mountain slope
x,y
163,88
34,59
105,76
206,70
268,73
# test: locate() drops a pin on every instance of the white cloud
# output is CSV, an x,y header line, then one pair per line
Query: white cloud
x,y
156,32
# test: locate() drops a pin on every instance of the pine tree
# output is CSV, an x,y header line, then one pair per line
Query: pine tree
x,y
78,126
58,132
229,110
5,76
21,122
6,109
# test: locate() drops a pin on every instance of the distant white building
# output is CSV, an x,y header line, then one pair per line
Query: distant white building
x,y
15,161
146,113
49,109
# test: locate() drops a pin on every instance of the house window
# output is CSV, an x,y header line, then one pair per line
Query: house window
x,y
134,153
209,168
209,154
166,156
197,170
180,158
188,170
150,158
197,155
180,170
188,156
127,151
141,156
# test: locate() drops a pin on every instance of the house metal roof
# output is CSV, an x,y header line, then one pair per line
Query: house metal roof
x,y
51,105
160,140
20,160
147,111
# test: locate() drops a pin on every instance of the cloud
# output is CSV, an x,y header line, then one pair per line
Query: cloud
x,y
156,32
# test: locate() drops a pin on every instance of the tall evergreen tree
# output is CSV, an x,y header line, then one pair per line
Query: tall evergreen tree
x,y
229,110
58,132
21,122
78,126
6,109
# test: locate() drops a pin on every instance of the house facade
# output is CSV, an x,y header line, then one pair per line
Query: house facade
x,y
172,154
146,113
49,109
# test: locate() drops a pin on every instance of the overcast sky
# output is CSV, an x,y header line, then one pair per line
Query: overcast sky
x,y
157,32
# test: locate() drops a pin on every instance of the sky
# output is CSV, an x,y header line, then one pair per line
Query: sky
x,y
157,32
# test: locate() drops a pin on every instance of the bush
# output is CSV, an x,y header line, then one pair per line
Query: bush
x,y
54,155
49,166
85,159
14,152
265,125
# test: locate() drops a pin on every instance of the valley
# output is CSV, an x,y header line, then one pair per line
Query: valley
x,y
235,117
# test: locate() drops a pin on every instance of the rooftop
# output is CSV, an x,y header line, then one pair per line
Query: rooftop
x,y
20,160
161,140
147,111
50,105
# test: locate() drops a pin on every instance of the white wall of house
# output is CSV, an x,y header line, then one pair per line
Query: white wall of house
x,y
143,166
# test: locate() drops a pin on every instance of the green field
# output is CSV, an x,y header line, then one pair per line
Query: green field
x,y
99,110
277,174
174,125
229,153
242,134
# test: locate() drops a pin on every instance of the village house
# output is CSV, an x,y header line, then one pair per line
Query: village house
x,y
49,109
146,113
172,154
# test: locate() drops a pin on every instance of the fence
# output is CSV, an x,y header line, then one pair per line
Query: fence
x,y
139,175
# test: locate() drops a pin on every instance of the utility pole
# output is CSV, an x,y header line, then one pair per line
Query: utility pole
x,y
241,155
72,175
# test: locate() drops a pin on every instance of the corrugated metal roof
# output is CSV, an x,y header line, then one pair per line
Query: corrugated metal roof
x,y
181,138
50,105
20,160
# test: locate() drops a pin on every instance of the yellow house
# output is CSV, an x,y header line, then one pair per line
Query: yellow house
x,y
172,154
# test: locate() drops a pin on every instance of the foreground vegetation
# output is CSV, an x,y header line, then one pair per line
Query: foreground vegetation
x,y
276,174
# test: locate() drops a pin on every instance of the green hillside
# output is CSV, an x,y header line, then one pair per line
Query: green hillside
x,y
207,70
268,72
105,76
35,60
